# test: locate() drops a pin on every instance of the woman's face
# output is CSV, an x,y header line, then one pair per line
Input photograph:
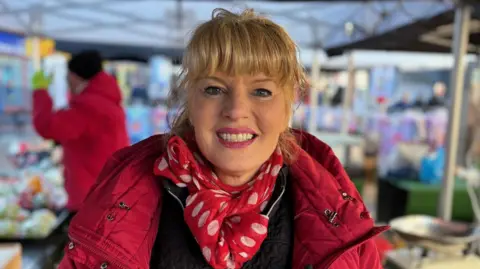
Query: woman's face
x,y
237,123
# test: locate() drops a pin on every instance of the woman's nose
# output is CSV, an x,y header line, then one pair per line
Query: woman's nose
x,y
236,107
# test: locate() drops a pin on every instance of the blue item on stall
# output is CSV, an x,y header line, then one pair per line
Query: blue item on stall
x,y
432,167
139,123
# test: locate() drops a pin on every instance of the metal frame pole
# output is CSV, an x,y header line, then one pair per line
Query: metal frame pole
x,y
348,107
459,46
315,79
35,30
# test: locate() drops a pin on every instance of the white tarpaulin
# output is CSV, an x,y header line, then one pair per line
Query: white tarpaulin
x,y
166,24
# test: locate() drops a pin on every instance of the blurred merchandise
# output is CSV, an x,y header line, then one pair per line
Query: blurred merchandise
x,y
383,81
46,47
56,65
160,119
32,190
161,76
404,133
139,124
12,44
13,73
436,125
11,256
129,75
432,167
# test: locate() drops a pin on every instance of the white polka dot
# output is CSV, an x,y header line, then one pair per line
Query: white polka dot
x,y
226,257
236,219
265,194
229,224
268,168
243,254
186,178
218,191
230,264
260,176
214,176
203,218
207,253
259,228
263,205
197,209
265,217
253,199
181,184
221,242
195,181
219,195
162,165
191,198
198,158
222,206
276,170
247,241
170,156
278,151
213,227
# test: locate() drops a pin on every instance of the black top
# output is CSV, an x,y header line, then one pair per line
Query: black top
x,y
176,248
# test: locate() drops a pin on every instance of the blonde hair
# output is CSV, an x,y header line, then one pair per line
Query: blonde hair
x,y
240,44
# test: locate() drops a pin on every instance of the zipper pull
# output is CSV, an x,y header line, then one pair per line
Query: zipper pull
x,y
331,216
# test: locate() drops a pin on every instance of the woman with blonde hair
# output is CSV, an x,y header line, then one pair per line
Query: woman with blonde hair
x,y
231,186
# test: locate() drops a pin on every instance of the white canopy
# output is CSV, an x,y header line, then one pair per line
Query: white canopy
x,y
166,24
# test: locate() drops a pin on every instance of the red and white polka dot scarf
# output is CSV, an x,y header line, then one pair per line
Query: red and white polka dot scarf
x,y
225,220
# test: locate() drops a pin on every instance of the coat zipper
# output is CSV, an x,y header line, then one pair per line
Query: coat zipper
x,y
276,202
175,197
102,254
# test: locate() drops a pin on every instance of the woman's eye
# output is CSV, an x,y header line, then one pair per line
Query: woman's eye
x,y
262,93
212,90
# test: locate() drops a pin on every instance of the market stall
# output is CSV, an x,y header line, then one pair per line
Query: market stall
x,y
32,199
451,243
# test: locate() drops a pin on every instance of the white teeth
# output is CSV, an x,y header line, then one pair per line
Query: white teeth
x,y
236,137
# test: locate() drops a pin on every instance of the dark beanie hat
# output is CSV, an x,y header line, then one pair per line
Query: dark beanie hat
x,y
86,64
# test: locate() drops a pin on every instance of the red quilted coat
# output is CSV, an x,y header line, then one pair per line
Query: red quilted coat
x,y
117,226
90,130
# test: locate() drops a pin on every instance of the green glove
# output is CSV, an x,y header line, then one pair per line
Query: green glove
x,y
40,81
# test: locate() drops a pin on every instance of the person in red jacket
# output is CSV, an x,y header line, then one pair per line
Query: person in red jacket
x,y
231,186
90,130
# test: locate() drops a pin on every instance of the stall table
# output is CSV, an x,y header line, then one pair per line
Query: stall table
x,y
397,197
45,253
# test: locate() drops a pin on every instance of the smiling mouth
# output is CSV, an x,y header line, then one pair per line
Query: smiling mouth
x,y
242,137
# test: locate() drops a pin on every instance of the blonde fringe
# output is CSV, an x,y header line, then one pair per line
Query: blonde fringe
x,y
240,44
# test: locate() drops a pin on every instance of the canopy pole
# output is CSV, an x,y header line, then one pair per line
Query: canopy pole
x,y
347,107
315,78
35,25
348,94
459,47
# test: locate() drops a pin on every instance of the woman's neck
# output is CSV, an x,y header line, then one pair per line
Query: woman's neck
x,y
233,179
